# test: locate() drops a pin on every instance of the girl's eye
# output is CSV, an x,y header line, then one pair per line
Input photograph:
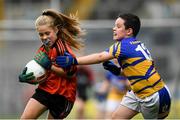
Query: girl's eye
x,y
47,33
40,34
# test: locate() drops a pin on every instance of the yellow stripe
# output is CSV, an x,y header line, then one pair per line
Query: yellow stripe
x,y
160,85
111,49
150,91
131,60
146,93
139,69
118,50
143,83
140,84
154,78
132,71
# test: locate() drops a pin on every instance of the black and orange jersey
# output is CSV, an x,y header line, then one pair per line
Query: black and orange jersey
x,y
54,83
137,66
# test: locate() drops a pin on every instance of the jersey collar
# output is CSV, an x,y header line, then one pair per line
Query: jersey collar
x,y
129,39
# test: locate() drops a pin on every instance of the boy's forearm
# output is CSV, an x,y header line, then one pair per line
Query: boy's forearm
x,y
94,58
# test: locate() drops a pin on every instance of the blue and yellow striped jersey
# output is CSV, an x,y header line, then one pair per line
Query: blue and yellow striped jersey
x,y
137,66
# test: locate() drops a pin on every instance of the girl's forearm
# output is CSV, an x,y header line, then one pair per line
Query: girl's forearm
x,y
58,71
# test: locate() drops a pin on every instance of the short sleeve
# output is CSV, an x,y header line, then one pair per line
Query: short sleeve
x,y
114,49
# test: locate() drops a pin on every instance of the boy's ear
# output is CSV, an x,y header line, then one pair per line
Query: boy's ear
x,y
129,31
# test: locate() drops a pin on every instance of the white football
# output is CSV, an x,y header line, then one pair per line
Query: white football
x,y
33,66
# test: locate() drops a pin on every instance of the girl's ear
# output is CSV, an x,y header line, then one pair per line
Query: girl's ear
x,y
129,31
56,29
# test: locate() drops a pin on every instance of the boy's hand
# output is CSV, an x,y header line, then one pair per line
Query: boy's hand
x,y
66,61
110,66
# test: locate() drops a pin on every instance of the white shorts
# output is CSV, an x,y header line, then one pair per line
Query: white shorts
x,y
151,107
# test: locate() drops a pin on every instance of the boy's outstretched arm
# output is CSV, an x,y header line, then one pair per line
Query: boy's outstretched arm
x,y
68,60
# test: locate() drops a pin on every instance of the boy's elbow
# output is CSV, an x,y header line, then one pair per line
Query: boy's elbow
x,y
102,57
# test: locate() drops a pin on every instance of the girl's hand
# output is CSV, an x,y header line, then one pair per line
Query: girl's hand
x,y
42,59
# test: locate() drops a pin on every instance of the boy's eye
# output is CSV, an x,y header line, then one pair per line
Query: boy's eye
x,y
118,26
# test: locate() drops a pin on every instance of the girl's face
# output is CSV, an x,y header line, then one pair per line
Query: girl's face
x,y
119,31
47,34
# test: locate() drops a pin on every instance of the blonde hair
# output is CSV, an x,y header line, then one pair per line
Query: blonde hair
x,y
69,28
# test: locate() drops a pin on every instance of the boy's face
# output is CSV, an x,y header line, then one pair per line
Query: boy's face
x,y
119,31
47,34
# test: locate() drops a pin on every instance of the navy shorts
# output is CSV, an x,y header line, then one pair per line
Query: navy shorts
x,y
59,107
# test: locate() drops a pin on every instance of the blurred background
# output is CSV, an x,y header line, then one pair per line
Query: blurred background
x,y
19,41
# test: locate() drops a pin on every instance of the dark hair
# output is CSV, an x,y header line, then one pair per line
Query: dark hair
x,y
131,21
